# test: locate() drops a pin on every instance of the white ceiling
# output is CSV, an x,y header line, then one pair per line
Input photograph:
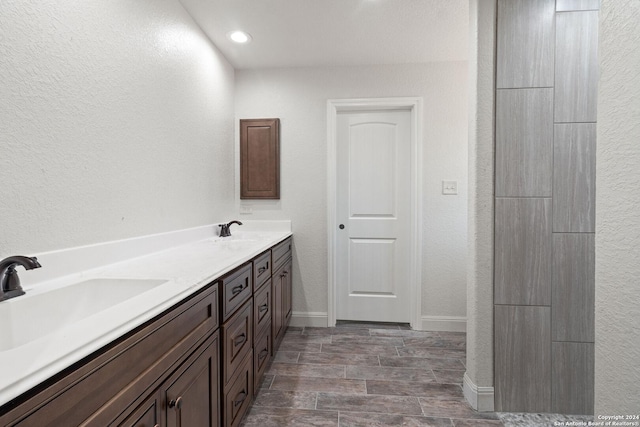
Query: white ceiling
x,y
302,33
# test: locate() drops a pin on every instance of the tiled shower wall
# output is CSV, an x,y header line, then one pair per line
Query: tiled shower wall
x,y
546,86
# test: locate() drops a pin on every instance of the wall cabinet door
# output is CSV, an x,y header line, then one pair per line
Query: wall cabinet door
x,y
191,395
260,159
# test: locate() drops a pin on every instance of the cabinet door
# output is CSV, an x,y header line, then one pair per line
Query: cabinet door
x,y
145,415
286,294
277,318
191,394
260,159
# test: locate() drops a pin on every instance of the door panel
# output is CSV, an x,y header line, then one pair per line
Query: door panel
x,y
372,169
371,266
373,204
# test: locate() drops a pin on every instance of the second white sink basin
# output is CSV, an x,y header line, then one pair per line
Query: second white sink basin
x,y
29,317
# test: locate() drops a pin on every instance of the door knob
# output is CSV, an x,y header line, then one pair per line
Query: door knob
x,y
341,226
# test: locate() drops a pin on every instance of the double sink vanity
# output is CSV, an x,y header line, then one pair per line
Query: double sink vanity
x,y
178,337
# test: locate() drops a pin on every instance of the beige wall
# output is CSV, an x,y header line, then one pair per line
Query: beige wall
x,y
298,96
116,120
617,380
478,383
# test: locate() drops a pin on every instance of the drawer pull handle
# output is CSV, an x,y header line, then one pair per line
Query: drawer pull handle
x,y
263,308
240,398
237,289
263,354
176,403
263,269
240,339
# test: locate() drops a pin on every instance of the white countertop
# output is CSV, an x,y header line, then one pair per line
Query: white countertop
x,y
187,268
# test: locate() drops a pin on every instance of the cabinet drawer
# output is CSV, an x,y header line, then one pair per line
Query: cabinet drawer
x,y
237,340
261,357
262,308
237,396
280,253
236,289
261,270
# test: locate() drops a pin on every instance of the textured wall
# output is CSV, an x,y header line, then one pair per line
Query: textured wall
x,y
617,220
482,14
116,120
298,96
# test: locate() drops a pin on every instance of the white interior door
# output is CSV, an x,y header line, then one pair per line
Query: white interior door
x,y
373,213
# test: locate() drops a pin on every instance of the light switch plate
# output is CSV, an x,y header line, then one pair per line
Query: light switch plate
x,y
246,209
449,188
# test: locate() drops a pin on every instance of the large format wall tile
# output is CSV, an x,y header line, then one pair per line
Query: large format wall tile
x,y
573,378
524,142
523,252
568,5
576,67
574,177
573,307
522,359
525,43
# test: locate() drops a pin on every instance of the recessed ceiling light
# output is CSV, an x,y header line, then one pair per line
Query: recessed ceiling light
x,y
239,37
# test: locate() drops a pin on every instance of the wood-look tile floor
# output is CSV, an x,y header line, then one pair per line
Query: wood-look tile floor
x,y
368,375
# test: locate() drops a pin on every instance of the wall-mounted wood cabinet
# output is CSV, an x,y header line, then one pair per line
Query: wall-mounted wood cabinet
x,y
260,158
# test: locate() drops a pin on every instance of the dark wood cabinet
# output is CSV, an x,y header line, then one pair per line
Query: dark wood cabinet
x,y
110,386
199,363
260,158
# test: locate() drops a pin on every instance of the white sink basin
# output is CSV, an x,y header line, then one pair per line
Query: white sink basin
x,y
29,317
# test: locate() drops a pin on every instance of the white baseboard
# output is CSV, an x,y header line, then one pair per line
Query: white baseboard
x,y
444,323
312,318
480,398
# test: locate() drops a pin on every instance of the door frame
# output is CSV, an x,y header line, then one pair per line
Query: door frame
x,y
414,106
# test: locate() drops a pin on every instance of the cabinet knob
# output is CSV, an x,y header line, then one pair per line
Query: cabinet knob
x,y
263,354
176,403
341,226
237,289
263,308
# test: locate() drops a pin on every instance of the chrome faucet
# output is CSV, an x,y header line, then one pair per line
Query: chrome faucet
x,y
224,228
9,280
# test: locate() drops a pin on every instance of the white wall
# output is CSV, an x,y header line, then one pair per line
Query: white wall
x,y
617,366
298,96
478,380
116,120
